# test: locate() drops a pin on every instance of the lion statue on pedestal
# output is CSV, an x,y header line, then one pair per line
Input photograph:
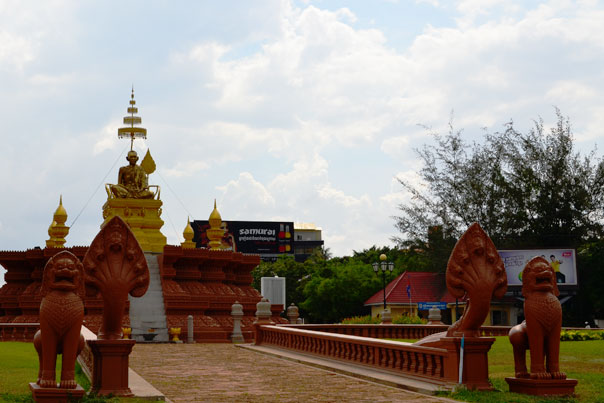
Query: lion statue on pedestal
x,y
540,332
61,316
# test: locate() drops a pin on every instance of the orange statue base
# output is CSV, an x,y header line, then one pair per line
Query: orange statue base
x,y
110,372
55,395
542,387
476,364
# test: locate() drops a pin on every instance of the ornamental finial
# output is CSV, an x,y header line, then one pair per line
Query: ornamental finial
x,y
132,132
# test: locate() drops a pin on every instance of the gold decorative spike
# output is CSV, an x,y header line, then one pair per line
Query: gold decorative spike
x,y
58,230
132,132
148,164
215,232
188,235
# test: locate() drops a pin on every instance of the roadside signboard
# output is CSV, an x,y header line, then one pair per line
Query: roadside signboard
x,y
563,262
266,238
425,306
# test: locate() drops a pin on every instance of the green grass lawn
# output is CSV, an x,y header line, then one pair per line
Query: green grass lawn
x,y
19,367
581,360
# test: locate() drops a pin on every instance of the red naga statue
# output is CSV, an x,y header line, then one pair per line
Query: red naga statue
x,y
475,270
115,265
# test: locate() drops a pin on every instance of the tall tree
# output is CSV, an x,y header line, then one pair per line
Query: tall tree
x,y
529,190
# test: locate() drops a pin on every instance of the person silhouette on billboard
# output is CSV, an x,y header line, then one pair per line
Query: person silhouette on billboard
x,y
555,263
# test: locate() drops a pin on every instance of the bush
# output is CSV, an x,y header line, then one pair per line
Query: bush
x,y
580,335
408,320
361,320
397,320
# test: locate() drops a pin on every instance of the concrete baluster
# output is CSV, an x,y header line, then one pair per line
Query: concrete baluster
x,y
292,314
263,312
237,313
190,338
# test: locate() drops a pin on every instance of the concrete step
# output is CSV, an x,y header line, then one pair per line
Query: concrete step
x,y
148,311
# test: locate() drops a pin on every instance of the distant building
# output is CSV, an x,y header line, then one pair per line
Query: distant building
x,y
307,238
413,293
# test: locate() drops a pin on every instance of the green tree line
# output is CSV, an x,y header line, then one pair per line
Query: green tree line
x,y
329,289
529,190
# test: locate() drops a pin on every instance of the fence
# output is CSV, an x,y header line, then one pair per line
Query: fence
x,y
18,331
437,365
413,332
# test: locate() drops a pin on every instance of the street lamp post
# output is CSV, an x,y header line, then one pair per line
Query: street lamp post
x,y
384,267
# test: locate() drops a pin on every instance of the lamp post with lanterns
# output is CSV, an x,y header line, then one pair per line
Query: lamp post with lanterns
x,y
384,267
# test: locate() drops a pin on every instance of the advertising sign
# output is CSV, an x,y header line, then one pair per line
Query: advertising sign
x,y
258,237
425,306
562,260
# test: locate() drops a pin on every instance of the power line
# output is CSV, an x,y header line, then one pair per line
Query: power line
x,y
97,188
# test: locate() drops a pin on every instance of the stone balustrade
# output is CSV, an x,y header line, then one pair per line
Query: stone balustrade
x,y
382,331
18,331
435,364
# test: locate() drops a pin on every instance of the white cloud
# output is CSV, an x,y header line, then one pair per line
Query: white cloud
x,y
273,113
15,51
107,138
187,168
245,194
338,197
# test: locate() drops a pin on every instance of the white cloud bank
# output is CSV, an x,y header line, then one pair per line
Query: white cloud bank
x,y
299,113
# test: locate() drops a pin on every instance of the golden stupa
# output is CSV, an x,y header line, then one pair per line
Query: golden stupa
x,y
57,229
215,232
188,235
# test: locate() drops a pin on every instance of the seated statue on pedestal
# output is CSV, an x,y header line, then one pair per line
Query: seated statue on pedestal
x,y
132,181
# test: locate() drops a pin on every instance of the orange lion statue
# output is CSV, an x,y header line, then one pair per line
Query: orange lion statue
x,y
61,315
540,332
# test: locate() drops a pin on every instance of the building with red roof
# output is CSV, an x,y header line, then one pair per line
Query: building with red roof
x,y
411,291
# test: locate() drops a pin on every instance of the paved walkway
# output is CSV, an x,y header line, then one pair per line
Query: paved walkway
x,y
225,373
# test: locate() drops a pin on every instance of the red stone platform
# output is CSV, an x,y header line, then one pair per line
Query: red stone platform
x,y
55,395
542,387
110,373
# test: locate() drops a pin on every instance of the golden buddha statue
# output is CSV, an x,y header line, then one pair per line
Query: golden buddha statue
x,y
132,198
132,180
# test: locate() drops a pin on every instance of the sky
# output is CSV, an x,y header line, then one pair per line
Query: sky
x,y
304,111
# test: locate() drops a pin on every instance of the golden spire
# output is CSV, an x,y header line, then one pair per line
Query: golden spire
x,y
188,235
58,230
215,232
132,132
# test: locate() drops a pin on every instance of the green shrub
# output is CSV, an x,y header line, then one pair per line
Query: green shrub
x,y
408,320
580,335
397,320
361,320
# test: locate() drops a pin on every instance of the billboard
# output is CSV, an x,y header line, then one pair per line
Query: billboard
x,y
562,260
266,238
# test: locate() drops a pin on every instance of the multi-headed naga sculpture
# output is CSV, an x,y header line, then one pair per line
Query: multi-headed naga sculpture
x,y
474,270
61,315
540,332
115,265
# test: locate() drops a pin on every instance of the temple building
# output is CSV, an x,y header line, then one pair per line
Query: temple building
x,y
184,280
